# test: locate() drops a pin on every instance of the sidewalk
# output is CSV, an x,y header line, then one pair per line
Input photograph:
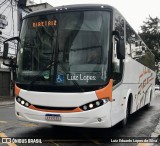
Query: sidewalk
x,y
156,130
6,101
156,133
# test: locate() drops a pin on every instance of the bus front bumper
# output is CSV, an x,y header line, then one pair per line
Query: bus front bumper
x,y
95,118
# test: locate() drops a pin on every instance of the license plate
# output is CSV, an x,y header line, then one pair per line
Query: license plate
x,y
52,117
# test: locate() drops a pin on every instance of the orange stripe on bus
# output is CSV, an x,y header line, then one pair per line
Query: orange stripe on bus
x,y
141,75
56,111
151,79
105,92
17,90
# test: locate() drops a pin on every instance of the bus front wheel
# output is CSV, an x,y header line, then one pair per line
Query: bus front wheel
x,y
123,123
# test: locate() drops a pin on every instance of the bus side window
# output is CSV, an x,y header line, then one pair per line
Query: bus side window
x,y
133,43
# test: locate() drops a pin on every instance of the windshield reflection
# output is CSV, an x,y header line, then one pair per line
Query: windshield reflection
x,y
61,49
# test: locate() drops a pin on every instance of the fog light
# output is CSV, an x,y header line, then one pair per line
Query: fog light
x,y
22,102
99,119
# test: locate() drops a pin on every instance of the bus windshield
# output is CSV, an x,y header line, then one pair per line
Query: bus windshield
x,y
59,48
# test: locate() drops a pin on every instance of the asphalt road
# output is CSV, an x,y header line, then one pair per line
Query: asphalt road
x,y
140,124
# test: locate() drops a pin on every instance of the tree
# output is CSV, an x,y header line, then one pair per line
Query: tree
x,y
150,34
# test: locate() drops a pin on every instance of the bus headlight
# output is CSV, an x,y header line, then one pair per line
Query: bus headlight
x,y
94,104
22,101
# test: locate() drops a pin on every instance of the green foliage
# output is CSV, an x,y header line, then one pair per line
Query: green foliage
x,y
150,34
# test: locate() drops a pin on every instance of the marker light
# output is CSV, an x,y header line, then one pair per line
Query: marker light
x,y
105,100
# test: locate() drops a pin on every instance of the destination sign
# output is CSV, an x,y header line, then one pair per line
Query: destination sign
x,y
44,23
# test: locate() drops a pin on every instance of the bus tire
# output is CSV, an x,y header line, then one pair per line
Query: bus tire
x,y
123,123
148,105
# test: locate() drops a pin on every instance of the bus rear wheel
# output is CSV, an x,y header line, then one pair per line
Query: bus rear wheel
x,y
147,106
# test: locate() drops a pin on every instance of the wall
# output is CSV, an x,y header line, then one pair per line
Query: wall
x,y
13,18
40,6
10,12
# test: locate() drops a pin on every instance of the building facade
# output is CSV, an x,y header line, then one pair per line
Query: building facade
x,y
11,13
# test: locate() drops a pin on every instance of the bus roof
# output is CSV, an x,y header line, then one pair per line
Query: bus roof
x,y
66,8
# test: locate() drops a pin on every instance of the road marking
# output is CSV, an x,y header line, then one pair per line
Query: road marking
x,y
28,125
92,140
3,135
95,142
52,141
143,144
69,141
10,107
7,105
55,143
3,121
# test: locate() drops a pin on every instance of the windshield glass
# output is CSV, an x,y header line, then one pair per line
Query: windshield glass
x,y
60,48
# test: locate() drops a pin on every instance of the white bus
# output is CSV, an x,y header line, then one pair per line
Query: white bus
x,y
81,65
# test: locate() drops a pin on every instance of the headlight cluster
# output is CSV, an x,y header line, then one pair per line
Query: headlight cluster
x,y
94,104
22,101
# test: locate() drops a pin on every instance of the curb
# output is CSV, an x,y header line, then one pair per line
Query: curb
x,y
8,104
156,134
6,101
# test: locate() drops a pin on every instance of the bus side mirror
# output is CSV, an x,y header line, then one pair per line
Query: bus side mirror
x,y
120,45
10,63
5,50
121,50
117,76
